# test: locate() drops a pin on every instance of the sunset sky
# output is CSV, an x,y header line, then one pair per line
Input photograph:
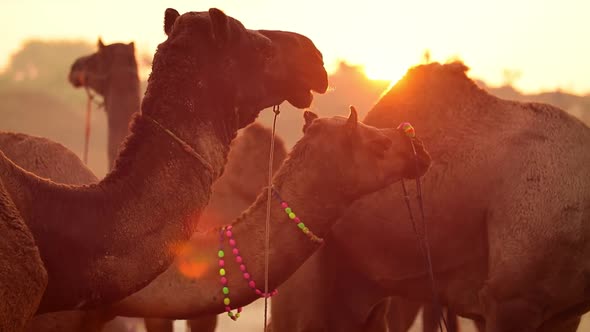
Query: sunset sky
x,y
546,40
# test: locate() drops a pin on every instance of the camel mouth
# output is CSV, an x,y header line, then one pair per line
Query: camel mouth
x,y
77,78
301,95
301,99
419,163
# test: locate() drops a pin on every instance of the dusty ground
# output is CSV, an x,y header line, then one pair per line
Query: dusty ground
x,y
252,321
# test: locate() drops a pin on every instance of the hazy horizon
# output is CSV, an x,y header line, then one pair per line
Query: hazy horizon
x,y
538,39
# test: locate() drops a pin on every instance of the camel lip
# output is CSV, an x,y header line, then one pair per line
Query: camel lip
x,y
77,78
301,99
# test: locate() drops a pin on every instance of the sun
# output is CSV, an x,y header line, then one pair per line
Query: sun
x,y
384,71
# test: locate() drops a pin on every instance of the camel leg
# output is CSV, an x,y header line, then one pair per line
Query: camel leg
x,y
402,314
377,321
23,277
452,321
158,325
203,324
568,325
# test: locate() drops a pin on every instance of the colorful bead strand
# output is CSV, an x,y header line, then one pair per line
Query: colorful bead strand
x,y
251,283
296,219
224,281
226,232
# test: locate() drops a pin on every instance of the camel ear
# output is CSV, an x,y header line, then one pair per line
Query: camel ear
x,y
100,44
219,26
353,120
170,16
309,117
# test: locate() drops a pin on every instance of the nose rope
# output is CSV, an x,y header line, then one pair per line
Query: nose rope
x,y
423,242
276,111
87,123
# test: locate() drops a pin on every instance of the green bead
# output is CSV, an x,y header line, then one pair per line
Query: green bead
x,y
220,254
221,272
301,225
225,290
288,210
230,314
226,301
292,215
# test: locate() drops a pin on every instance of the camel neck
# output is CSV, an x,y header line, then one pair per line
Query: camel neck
x,y
107,240
122,100
192,285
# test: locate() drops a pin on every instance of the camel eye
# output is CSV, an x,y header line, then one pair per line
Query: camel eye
x,y
379,146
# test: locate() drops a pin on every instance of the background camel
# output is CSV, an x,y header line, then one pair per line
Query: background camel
x,y
497,256
107,282
112,73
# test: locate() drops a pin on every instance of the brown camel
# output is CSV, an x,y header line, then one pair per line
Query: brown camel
x,y
177,147
244,171
108,73
112,73
507,205
335,162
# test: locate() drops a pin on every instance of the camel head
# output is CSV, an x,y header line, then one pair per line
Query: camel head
x,y
93,71
246,71
355,159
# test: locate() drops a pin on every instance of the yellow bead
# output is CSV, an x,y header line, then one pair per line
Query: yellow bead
x,y
292,215
226,301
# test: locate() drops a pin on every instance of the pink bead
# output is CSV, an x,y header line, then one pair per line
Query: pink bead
x,y
223,280
239,259
235,251
274,292
228,234
242,267
240,309
297,220
284,205
227,309
246,275
229,227
252,284
258,292
232,242
221,263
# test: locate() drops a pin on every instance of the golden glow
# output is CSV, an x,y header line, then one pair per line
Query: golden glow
x,y
189,261
384,71
385,36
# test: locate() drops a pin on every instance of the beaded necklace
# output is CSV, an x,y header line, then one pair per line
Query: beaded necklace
x,y
226,232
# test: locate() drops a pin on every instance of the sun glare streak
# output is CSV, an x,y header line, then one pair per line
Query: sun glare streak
x,y
190,263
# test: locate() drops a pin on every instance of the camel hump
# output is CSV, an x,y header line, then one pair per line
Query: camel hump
x,y
45,158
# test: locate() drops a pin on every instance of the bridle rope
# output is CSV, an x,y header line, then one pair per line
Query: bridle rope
x,y
276,111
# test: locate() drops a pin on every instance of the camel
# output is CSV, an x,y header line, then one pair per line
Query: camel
x,y
235,190
507,204
232,193
99,226
317,183
112,73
